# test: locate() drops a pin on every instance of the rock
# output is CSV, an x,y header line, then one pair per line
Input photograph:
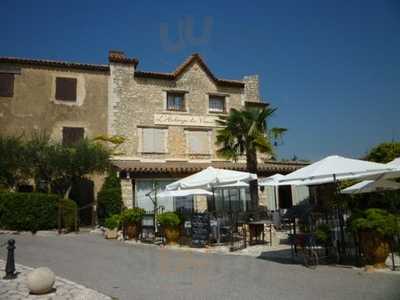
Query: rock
x,y
389,262
40,281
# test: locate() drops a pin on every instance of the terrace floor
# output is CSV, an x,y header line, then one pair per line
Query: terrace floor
x,y
135,271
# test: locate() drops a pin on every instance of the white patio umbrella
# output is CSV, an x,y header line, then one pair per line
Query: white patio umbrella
x,y
184,193
210,178
338,168
380,185
238,184
273,181
370,186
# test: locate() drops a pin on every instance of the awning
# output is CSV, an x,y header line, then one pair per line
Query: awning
x,y
187,167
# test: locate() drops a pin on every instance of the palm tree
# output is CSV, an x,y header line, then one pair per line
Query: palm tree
x,y
245,132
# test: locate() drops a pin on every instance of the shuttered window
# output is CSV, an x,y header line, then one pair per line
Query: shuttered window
x,y
6,85
198,142
217,104
153,140
175,101
72,135
66,89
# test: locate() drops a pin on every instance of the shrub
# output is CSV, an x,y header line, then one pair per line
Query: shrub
x,y
113,222
376,220
132,215
34,211
109,198
169,219
323,233
69,213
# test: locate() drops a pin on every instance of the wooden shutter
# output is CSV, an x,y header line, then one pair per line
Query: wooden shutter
x,y
72,135
66,89
148,141
153,140
199,142
6,85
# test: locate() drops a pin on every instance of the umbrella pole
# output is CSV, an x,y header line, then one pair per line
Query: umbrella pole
x,y
276,203
341,221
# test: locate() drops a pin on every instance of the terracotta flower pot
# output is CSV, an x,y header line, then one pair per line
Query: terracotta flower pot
x,y
375,247
172,234
132,231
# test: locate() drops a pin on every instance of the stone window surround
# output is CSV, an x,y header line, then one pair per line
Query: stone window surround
x,y
207,103
175,91
140,138
57,132
187,133
80,89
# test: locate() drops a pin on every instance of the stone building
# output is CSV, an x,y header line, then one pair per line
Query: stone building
x,y
169,122
168,119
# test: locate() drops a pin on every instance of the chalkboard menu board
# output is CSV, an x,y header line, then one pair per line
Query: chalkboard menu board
x,y
200,229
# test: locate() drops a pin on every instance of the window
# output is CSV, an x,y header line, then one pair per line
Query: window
x,y
153,140
6,85
66,89
72,135
198,142
217,104
175,101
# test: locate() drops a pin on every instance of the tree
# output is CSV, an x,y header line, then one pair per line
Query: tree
x,y
245,132
384,152
14,163
75,162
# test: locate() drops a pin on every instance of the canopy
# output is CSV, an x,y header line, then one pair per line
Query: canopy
x,y
238,184
211,177
394,163
184,193
338,168
370,186
273,180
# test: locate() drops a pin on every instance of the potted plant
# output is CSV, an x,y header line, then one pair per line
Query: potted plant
x,y
170,222
112,224
375,227
131,218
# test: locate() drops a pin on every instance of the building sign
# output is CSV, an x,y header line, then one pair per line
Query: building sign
x,y
185,120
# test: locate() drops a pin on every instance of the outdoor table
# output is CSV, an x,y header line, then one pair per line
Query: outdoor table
x,y
256,229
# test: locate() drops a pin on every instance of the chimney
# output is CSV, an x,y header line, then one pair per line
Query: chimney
x,y
119,57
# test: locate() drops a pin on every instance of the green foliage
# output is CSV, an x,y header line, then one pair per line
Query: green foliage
x,y
376,220
109,198
132,215
323,233
169,219
57,165
14,163
384,153
113,222
114,141
34,211
243,131
68,209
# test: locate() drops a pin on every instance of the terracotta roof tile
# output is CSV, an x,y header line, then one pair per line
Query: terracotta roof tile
x,y
180,69
54,64
135,166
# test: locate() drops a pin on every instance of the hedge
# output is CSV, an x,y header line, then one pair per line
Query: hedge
x,y
109,198
34,211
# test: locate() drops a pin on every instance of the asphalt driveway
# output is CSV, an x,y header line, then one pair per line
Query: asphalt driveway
x,y
148,272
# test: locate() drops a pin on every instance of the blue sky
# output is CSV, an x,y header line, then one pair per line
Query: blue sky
x,y
331,67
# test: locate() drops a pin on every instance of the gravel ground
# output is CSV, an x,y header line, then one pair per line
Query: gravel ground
x,y
134,271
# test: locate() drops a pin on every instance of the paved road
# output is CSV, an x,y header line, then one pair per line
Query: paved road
x,y
147,272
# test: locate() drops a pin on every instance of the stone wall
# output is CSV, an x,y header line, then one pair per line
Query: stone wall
x,y
34,108
134,101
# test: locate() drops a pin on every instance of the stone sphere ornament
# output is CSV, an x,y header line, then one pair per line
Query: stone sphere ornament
x,y
41,281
